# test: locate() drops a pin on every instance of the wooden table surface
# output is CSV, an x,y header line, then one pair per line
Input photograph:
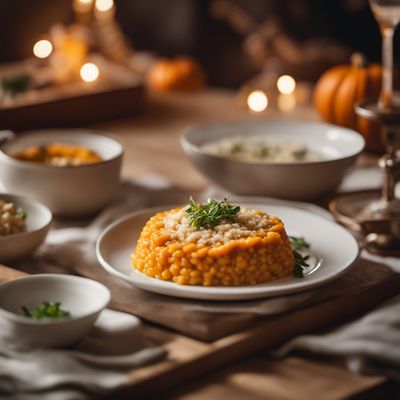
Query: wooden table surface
x,y
151,143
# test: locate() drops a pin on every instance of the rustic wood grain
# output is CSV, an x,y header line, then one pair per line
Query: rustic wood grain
x,y
7,274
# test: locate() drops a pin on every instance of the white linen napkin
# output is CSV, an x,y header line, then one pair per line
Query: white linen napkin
x,y
370,345
97,364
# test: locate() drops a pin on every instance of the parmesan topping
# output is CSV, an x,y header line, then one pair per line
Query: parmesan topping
x,y
247,223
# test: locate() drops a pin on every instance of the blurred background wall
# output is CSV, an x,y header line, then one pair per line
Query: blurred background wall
x,y
222,34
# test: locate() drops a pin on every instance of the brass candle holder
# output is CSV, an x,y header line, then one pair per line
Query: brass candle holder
x,y
373,214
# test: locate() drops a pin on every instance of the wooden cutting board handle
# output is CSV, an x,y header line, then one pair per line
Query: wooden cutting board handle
x,y
7,273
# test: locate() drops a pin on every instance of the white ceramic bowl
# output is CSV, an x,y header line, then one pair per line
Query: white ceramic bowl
x,y
82,297
67,191
295,180
18,246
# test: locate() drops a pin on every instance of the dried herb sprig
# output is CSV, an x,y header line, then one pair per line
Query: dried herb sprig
x,y
48,309
211,213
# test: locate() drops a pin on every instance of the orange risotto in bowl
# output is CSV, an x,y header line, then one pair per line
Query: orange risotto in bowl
x,y
214,244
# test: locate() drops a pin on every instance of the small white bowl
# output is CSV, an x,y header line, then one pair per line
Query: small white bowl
x,y
71,191
15,247
82,297
292,180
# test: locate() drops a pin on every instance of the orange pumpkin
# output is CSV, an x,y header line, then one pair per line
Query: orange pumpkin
x,y
341,87
179,74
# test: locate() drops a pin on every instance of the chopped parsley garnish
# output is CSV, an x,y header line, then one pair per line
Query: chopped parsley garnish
x,y
210,214
300,261
48,309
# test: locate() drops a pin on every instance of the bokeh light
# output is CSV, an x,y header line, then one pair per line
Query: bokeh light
x,y
89,72
42,48
104,5
286,84
257,101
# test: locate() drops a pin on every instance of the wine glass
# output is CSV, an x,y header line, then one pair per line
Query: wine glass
x,y
387,14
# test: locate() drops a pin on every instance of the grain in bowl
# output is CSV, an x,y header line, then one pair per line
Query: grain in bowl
x,y
214,244
12,218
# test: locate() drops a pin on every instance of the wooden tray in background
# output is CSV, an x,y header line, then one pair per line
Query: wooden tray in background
x,y
188,358
119,92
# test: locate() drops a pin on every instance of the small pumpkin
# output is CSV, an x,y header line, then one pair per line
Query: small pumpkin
x,y
339,88
179,74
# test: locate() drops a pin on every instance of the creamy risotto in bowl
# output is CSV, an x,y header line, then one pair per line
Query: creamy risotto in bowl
x,y
295,160
242,148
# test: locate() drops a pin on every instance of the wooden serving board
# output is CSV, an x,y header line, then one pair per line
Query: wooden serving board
x,y
211,320
187,357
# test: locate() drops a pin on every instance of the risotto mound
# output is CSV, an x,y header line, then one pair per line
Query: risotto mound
x,y
250,248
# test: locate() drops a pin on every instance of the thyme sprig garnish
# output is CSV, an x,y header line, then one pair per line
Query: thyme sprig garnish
x,y
299,262
48,309
299,244
211,213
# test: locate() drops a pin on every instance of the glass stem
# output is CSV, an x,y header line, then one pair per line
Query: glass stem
x,y
386,97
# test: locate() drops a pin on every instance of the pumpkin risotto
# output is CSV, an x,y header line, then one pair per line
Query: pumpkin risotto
x,y
214,244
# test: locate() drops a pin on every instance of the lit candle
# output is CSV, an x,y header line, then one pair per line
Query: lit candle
x,y
257,101
286,84
42,48
89,72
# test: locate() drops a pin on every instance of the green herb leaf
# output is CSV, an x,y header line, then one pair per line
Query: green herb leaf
x,y
299,262
210,214
15,84
300,154
48,309
299,244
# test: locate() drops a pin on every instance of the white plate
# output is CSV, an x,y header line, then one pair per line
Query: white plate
x,y
334,248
